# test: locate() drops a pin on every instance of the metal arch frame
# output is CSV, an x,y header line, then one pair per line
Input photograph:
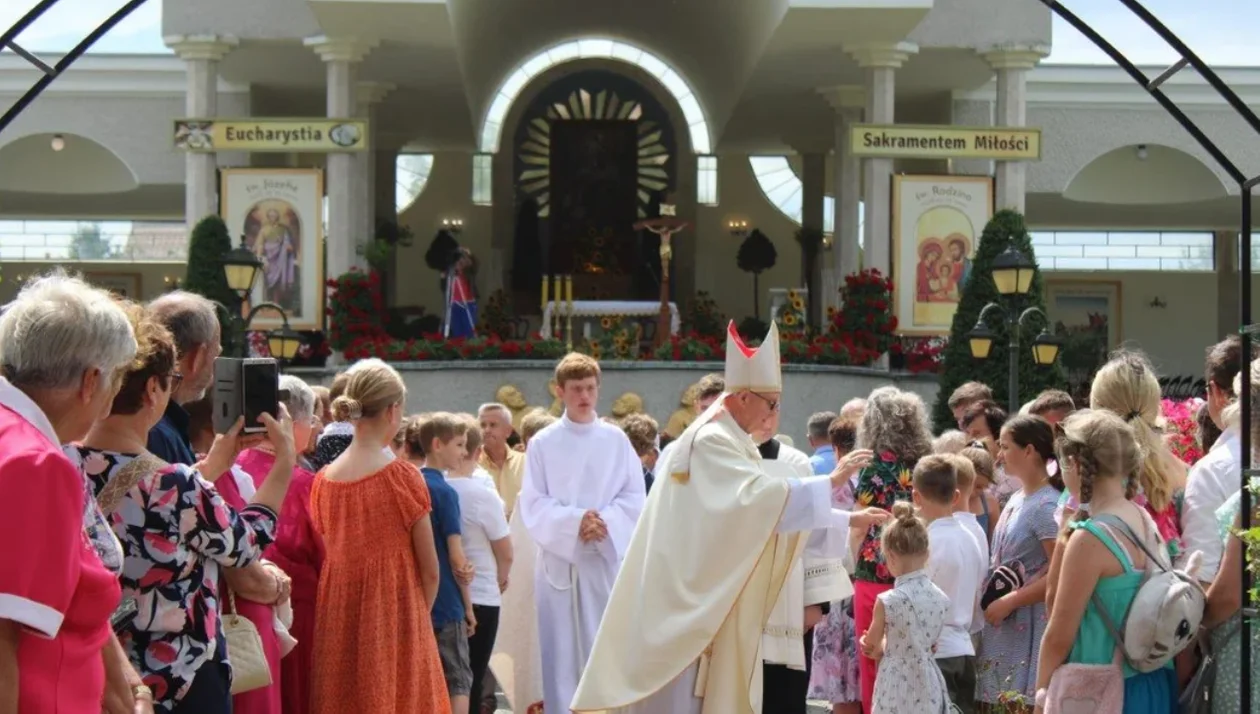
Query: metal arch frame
x,y
1245,184
52,72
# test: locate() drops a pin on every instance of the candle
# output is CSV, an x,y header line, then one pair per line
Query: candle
x,y
544,293
559,294
569,288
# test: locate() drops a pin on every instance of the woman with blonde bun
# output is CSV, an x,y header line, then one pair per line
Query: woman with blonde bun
x,y
375,651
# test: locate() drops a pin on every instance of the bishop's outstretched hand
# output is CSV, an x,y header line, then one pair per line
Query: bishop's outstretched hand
x,y
868,517
852,462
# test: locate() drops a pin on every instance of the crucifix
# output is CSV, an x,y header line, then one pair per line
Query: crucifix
x,y
664,226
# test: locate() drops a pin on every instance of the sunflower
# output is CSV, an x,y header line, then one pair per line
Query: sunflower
x,y
798,304
606,323
789,319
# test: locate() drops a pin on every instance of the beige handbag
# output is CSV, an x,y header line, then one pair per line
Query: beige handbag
x,y
250,670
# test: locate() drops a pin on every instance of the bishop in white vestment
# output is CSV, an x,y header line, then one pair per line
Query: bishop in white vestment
x,y
683,631
572,468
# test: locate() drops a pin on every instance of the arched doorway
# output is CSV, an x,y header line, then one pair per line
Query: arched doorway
x,y
593,152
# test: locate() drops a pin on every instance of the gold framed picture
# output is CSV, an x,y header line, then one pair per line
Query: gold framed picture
x,y
936,225
279,212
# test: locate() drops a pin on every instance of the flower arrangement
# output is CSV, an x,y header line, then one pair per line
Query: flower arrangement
x,y
690,347
435,347
617,340
494,318
921,354
866,313
835,350
702,316
356,309
791,318
1182,428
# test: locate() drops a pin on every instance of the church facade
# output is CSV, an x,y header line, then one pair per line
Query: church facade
x,y
541,132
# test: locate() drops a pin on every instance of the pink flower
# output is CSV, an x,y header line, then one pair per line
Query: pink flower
x,y
887,456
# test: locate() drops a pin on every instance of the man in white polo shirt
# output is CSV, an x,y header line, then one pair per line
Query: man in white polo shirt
x,y
1216,476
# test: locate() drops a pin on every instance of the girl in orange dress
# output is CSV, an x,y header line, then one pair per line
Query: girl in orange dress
x,y
375,652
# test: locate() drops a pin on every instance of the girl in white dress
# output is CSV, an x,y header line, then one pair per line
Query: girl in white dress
x,y
906,624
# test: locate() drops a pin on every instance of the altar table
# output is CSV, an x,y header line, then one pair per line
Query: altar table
x,y
607,308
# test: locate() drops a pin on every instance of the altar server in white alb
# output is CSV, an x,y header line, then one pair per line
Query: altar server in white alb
x,y
582,494
719,537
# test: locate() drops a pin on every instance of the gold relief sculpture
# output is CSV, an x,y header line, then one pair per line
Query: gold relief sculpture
x,y
557,407
510,396
627,404
685,414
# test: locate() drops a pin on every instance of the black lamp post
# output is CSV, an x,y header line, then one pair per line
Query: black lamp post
x,y
241,268
1012,276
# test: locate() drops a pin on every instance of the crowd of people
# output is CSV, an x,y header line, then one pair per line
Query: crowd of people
x,y
357,558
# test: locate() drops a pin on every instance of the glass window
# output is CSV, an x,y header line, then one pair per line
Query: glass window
x,y
411,175
483,184
510,89
129,241
783,188
1187,251
707,180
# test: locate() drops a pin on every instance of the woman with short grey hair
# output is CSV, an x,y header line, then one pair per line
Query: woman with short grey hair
x,y
298,550
63,348
895,427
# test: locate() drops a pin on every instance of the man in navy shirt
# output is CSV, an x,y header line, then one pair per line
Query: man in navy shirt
x,y
444,438
194,323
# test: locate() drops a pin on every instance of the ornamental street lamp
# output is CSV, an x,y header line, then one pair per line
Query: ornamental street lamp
x,y
241,268
1012,276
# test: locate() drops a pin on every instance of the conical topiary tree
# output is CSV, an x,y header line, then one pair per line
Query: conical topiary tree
x,y
1006,228
210,240
756,255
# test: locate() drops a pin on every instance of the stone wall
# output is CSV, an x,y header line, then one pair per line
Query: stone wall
x,y
462,386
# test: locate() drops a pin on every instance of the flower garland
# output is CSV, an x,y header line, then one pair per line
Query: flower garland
x,y
436,348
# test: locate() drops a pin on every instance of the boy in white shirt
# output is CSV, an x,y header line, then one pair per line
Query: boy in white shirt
x,y
955,566
487,546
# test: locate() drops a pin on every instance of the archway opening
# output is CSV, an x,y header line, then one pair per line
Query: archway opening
x,y
62,164
1145,174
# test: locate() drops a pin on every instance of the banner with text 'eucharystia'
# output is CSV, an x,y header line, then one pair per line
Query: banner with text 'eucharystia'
x,y
268,134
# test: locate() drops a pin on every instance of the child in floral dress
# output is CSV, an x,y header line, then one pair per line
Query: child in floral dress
x,y
906,624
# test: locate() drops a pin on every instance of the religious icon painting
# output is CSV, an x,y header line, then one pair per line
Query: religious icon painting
x,y
278,214
936,226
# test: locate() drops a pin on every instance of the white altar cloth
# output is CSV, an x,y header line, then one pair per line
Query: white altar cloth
x,y
608,308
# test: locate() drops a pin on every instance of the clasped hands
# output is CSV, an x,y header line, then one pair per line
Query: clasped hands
x,y
592,529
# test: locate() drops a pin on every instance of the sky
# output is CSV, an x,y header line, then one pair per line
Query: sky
x,y
1216,29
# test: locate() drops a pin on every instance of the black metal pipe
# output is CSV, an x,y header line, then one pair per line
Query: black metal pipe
x,y
1140,77
1184,50
1244,401
66,60
24,22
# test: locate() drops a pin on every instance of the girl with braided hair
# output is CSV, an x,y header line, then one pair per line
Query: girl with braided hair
x,y
1101,462
1014,597
1127,387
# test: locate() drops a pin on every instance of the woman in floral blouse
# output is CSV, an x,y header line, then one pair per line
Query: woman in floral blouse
x,y
177,531
895,427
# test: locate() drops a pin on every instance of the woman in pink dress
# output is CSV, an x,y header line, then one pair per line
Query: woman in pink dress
x,y
298,551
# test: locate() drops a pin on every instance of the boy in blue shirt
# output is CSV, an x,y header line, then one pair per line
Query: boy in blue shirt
x,y
443,436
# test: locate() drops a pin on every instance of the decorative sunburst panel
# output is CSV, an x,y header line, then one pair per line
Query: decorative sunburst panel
x,y
535,151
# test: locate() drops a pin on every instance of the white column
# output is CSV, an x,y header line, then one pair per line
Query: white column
x,y
370,95
201,55
848,103
341,56
813,189
881,63
1011,65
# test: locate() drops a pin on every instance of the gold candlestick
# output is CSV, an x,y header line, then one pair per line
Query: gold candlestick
x,y
544,293
557,305
568,286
